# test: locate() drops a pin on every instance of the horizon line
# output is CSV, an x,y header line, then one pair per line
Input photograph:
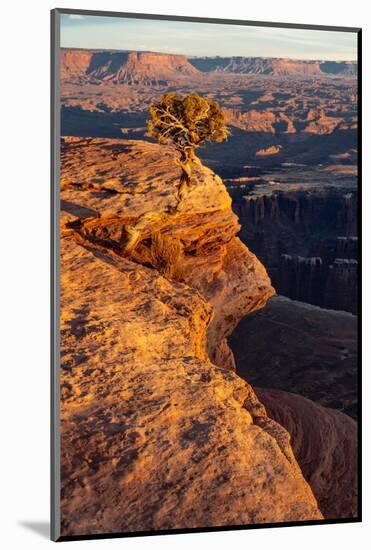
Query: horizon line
x,y
208,56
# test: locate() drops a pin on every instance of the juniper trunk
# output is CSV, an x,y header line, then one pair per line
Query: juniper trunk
x,y
187,159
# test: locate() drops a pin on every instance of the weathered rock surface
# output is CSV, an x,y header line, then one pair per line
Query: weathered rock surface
x,y
108,192
154,435
324,442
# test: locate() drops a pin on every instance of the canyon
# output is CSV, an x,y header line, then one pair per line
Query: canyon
x,y
312,352
208,353
307,239
292,150
158,429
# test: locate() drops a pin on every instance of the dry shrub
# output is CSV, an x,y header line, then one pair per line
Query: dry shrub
x,y
167,256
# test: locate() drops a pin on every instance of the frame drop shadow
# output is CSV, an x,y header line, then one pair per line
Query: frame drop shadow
x,y
41,528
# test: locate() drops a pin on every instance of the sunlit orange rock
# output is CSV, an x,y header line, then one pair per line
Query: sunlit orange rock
x,y
155,435
123,67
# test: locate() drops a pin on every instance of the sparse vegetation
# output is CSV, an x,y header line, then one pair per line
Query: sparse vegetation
x,y
167,256
186,123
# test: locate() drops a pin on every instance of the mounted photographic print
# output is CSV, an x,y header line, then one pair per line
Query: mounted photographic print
x,y
205,214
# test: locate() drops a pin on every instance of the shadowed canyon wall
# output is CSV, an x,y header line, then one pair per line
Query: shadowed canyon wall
x,y
307,241
160,341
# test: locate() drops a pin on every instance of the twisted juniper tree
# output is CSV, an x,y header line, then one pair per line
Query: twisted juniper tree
x,y
186,123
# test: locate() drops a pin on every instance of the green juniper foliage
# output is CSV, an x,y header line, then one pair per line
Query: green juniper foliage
x,y
186,123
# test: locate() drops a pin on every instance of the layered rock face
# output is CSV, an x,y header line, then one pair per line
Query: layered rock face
x,y
273,66
74,63
134,67
315,121
307,240
341,290
158,432
119,67
117,198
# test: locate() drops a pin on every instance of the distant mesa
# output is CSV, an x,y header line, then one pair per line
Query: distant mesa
x,y
146,68
273,66
154,68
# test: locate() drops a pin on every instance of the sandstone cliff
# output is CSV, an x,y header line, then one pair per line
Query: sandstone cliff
x,y
120,67
274,66
307,241
158,432
142,67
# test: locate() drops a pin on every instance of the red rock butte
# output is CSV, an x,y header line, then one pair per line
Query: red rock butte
x,y
124,67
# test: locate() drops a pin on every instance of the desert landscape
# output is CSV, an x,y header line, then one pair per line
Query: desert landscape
x,y
208,332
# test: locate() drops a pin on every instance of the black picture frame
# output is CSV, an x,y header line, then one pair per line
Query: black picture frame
x,y
55,269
